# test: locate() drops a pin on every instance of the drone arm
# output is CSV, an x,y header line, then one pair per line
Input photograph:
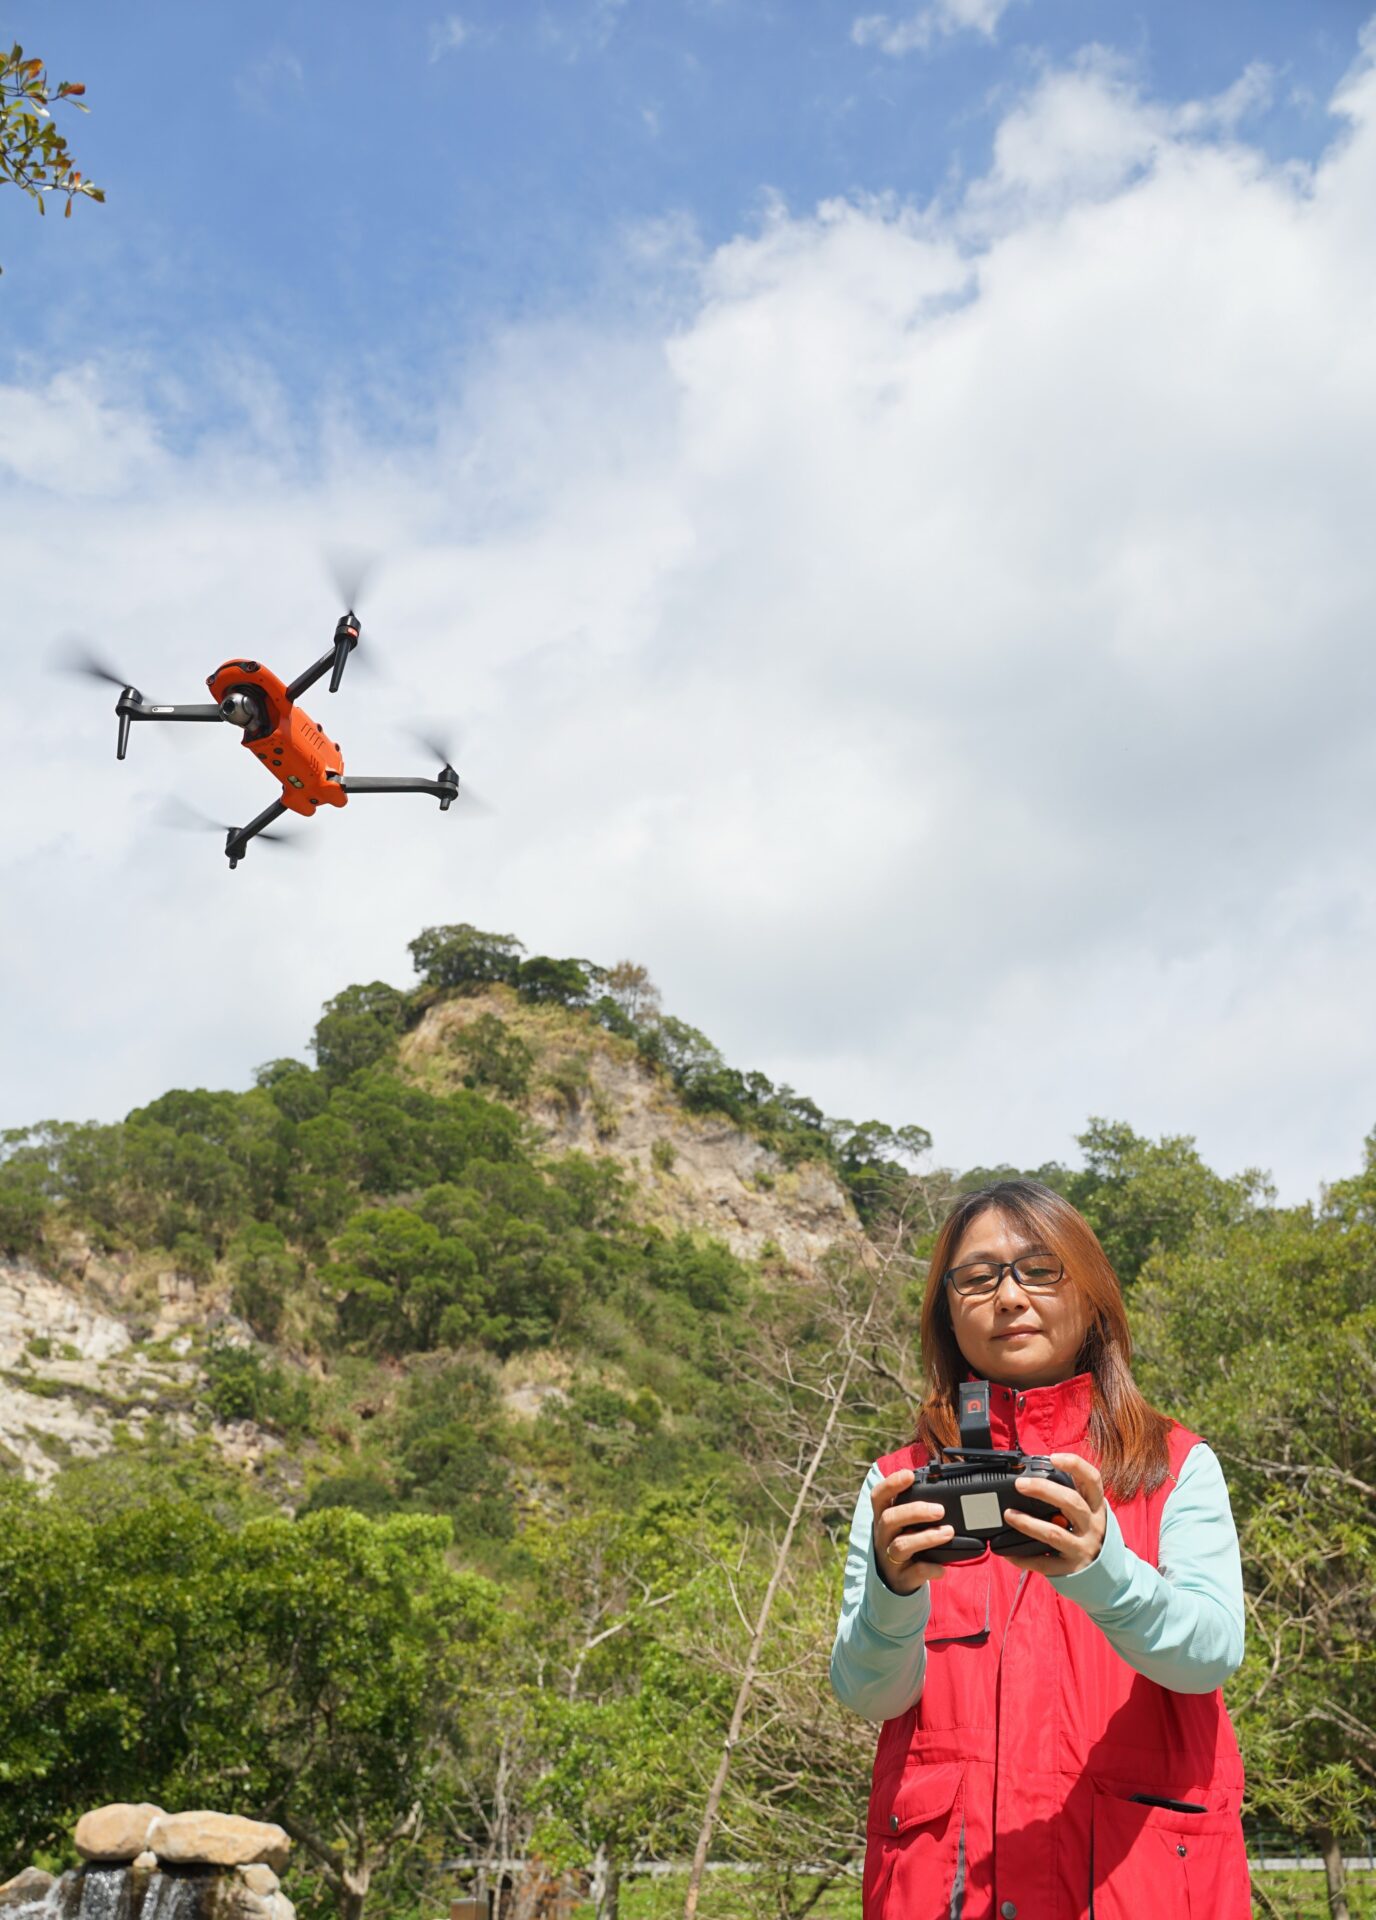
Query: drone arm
x,y
345,640
445,790
131,706
237,839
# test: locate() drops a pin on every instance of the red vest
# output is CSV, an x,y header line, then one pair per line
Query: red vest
x,y
1006,1791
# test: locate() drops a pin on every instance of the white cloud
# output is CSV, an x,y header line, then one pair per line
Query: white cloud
x,y
68,437
938,21
1085,130
448,35
941,654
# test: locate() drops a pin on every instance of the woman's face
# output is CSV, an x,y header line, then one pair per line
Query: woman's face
x,y
1017,1338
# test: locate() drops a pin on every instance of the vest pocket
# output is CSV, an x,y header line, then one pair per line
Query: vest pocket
x,y
960,1606
1144,1860
914,1845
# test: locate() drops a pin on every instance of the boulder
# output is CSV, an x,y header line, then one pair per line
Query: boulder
x,y
232,1900
205,1839
118,1832
227,1898
259,1879
26,1888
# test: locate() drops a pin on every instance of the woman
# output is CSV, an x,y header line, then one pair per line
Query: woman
x,y
1054,1744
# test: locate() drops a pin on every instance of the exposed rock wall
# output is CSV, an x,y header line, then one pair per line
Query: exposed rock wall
x,y
71,1374
590,1092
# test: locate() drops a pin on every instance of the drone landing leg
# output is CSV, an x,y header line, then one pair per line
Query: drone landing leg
x,y
237,839
333,662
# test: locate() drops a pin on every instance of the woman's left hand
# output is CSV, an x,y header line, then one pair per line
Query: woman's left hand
x,y
1077,1543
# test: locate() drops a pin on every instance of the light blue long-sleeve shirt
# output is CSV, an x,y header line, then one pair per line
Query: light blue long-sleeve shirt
x,y
1181,1625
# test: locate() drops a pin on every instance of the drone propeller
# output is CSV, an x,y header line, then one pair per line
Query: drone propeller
x,y
442,748
350,570
438,746
73,654
181,817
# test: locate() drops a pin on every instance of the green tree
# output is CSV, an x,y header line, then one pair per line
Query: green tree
x,y
876,1161
564,983
306,1670
361,1632
687,1054
1146,1195
22,1200
33,151
1260,1336
593,1713
402,1285
265,1271
359,1028
101,1619
296,1092
463,956
447,1445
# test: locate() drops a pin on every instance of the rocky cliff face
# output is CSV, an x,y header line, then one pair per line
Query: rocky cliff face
x,y
591,1092
93,1354
71,1375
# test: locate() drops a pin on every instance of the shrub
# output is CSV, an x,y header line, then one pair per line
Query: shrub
x,y
240,1387
497,1057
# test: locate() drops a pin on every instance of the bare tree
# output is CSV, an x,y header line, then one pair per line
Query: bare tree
x,y
828,1367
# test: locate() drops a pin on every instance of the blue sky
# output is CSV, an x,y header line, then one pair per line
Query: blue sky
x,y
352,196
883,496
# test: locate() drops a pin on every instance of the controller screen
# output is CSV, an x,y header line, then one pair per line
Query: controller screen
x,y
981,1510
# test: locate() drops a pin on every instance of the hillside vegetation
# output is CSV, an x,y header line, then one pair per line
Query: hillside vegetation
x,y
399,1448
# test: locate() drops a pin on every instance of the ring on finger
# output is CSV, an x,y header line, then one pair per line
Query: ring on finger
x,y
889,1553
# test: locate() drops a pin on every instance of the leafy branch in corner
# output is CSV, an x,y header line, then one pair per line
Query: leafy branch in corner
x,y
33,151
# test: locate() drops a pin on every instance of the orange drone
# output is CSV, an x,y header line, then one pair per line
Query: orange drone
x,y
280,734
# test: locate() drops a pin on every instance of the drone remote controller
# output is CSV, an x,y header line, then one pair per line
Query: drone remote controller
x,y
974,1483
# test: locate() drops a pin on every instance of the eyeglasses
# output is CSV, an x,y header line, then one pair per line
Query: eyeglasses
x,y
978,1279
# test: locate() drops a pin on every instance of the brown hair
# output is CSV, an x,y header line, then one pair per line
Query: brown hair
x,y
1128,1437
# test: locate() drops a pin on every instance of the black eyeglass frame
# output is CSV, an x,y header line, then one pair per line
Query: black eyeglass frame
x,y
1004,1266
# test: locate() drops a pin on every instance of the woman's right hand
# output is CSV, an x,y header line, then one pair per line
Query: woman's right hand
x,y
903,1530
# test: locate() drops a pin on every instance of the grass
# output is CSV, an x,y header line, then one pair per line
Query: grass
x,y
1284,1895
1304,1896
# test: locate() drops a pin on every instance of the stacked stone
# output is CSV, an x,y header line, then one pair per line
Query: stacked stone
x,y
235,1863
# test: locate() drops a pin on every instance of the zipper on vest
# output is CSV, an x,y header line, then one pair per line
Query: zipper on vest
x,y
1023,1578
